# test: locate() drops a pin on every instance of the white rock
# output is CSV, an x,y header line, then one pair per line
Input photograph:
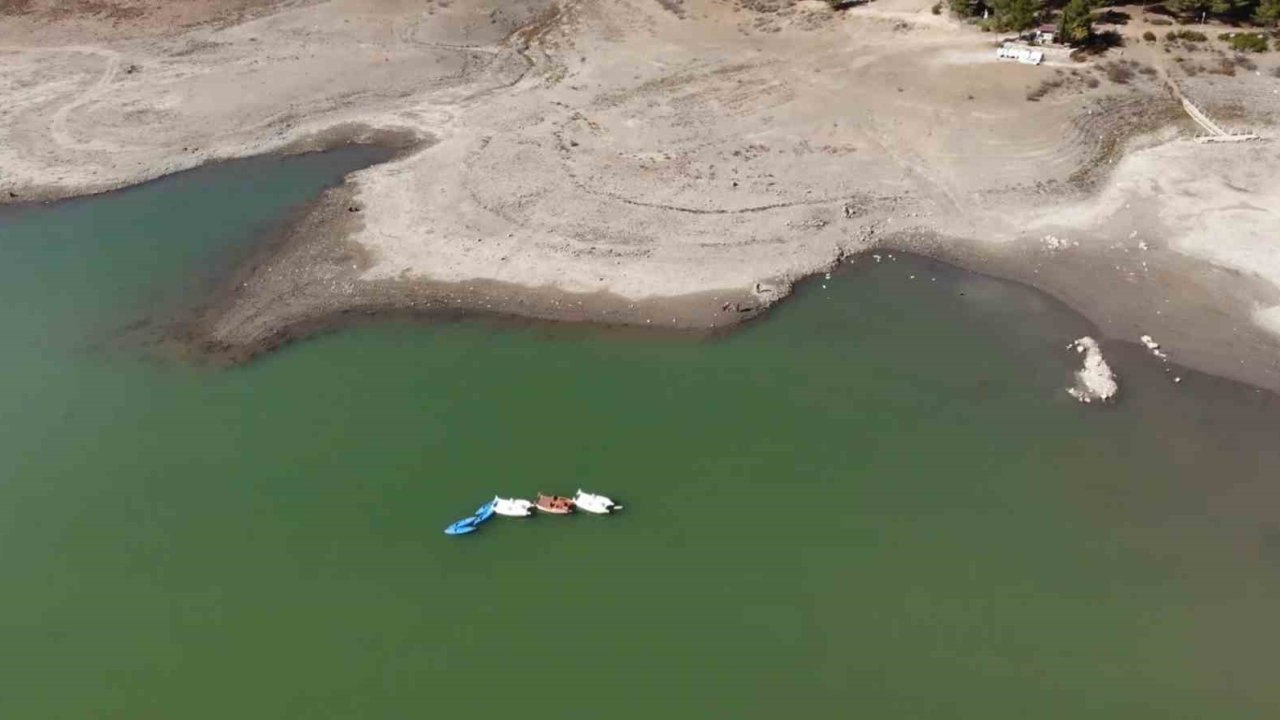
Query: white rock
x,y
1094,381
1053,242
1150,343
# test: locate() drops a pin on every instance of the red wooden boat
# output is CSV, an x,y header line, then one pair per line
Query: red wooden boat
x,y
554,504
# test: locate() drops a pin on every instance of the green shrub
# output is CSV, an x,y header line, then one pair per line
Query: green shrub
x,y
937,8
1149,36
1248,42
1191,36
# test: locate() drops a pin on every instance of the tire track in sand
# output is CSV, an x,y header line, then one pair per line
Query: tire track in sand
x,y
58,123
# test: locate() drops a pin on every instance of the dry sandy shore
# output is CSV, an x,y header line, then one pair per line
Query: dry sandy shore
x,y
662,162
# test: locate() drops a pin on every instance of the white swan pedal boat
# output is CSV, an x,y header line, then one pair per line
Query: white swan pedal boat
x,y
512,507
598,504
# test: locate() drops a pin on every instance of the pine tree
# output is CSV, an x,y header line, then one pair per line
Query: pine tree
x,y
1188,7
967,8
1076,26
1268,12
1232,8
1018,14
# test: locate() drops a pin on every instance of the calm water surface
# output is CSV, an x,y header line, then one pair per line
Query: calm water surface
x,y
878,502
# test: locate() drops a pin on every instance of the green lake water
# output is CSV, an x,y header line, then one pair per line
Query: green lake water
x,y
876,502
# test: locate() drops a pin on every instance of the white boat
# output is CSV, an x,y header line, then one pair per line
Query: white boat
x,y
598,504
512,507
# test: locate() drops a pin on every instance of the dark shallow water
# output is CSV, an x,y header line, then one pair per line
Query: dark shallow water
x,y
878,502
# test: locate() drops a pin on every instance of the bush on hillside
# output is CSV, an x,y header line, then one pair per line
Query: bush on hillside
x,y
1248,42
1223,67
1118,72
1191,36
1046,86
1245,62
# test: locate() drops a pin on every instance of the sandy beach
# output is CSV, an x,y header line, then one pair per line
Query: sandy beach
x,y
672,164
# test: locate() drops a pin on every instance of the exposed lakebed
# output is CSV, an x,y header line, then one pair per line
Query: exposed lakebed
x,y
878,499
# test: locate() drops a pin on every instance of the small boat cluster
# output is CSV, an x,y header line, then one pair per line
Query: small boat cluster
x,y
516,507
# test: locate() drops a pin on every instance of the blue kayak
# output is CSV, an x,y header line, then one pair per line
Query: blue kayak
x,y
484,512
462,527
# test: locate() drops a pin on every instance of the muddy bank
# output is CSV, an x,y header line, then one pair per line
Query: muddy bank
x,y
1128,287
308,280
392,142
